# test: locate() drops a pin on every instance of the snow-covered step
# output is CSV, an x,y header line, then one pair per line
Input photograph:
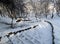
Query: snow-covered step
x,y
24,37
32,39
32,35
15,40
25,40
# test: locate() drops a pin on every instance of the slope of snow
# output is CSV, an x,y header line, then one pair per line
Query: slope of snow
x,y
42,34
32,36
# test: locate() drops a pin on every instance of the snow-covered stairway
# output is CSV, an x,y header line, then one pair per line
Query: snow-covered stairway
x,y
38,35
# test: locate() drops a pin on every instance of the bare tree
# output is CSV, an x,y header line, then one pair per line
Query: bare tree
x,y
58,7
13,7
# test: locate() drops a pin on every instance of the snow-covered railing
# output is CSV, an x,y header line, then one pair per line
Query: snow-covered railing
x,y
52,31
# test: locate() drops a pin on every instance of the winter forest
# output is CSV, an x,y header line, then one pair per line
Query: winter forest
x,y
29,21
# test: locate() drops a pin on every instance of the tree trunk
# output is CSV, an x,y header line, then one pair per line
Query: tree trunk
x,y
52,16
12,25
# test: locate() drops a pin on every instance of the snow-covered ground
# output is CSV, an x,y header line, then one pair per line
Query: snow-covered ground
x,y
42,34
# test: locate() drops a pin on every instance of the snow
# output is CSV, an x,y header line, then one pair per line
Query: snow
x,y
56,24
42,34
33,36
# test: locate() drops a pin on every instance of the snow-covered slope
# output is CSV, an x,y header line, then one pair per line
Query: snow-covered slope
x,y
37,35
41,34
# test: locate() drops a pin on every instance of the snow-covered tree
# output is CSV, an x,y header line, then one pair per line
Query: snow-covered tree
x,y
13,7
